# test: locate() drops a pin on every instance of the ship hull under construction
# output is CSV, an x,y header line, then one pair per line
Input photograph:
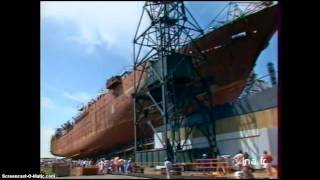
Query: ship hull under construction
x,y
231,52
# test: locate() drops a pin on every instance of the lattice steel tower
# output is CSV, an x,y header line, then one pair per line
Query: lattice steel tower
x,y
161,51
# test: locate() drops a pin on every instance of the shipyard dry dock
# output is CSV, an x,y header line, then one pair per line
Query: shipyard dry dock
x,y
181,99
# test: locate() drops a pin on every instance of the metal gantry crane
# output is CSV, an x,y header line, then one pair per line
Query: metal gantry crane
x,y
161,53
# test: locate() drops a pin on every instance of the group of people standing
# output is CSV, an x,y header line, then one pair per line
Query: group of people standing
x,y
241,163
245,168
114,165
82,163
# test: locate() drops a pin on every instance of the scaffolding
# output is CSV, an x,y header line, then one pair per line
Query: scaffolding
x,y
162,73
235,10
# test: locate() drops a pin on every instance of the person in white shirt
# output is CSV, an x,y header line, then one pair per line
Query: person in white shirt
x,y
168,166
238,160
247,168
101,166
128,166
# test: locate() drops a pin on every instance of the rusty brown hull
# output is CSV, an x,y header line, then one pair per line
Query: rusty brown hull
x,y
230,61
109,121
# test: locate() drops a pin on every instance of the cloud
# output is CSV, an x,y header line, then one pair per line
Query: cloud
x,y
108,24
47,103
78,96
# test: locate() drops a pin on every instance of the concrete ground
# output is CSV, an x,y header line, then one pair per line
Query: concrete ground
x,y
108,176
259,174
